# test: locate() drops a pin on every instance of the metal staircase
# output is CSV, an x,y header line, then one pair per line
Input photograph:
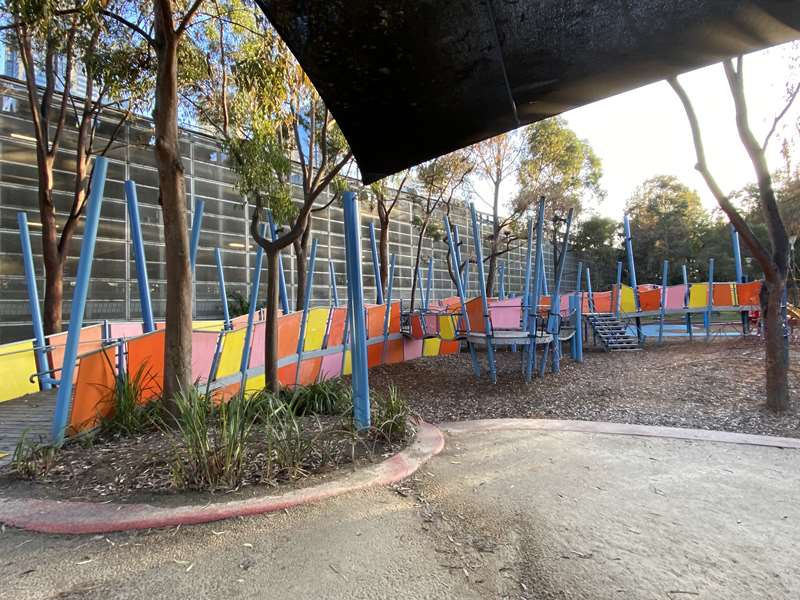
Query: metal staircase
x,y
613,334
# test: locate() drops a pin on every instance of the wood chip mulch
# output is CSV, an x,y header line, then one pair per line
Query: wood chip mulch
x,y
717,385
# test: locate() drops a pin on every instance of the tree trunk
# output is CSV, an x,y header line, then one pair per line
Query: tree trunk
x,y
53,263
271,342
178,343
383,253
776,357
495,237
300,246
414,277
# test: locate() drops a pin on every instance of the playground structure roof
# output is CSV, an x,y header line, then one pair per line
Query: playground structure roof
x,y
408,81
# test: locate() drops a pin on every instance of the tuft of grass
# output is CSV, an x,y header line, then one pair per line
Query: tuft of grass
x,y
213,440
129,416
324,398
31,457
391,414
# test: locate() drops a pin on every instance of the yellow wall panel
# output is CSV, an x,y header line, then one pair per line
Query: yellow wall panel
x,y
17,364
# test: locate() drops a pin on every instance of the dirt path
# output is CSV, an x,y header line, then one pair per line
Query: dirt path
x,y
717,386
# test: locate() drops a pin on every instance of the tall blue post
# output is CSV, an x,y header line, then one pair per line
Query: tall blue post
x,y
501,273
334,289
737,261
576,302
457,257
273,232
33,300
306,305
538,278
554,319
710,298
429,283
376,269
632,275
589,290
618,297
91,222
222,293
139,257
251,309
388,312
454,257
476,235
197,223
355,294
663,307
689,328
579,281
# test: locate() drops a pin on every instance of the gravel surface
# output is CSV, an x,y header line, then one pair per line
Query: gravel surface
x,y
717,385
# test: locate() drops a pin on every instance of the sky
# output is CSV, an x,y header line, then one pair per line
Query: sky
x,y
645,132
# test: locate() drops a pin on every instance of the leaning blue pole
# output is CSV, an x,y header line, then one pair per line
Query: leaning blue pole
x,y
538,279
251,309
139,257
376,268
737,261
454,257
273,232
709,298
222,293
457,258
197,222
429,283
334,289
355,294
618,297
33,299
663,304
91,222
554,319
487,322
686,302
632,275
306,305
501,292
589,290
388,311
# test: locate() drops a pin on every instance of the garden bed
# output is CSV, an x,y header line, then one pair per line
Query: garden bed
x,y
717,385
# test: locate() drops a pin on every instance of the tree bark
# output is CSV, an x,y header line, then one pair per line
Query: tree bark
x,y
495,237
775,350
178,343
383,252
300,246
271,348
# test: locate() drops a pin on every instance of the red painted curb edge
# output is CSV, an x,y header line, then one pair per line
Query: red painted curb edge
x,y
602,427
68,517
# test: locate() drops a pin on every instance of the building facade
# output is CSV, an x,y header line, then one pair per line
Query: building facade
x,y
113,292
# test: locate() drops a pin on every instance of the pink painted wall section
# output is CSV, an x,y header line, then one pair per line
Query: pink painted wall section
x,y
204,346
258,344
412,349
675,297
125,330
331,367
506,314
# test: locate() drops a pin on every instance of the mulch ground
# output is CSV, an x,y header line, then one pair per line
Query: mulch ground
x,y
717,385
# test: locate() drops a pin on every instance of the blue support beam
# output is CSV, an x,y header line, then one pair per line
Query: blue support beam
x,y
429,283
737,261
467,273
476,236
376,269
312,259
222,292
618,295
355,294
251,309
554,318
388,312
334,290
457,248
689,328
632,275
42,366
538,278
273,232
148,323
501,274
91,223
589,289
579,281
710,299
197,223
663,305
454,257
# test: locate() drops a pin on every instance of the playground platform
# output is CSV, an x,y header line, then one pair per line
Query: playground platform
x,y
30,415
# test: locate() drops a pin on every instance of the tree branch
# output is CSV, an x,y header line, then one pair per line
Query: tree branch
x,y
790,100
132,26
187,18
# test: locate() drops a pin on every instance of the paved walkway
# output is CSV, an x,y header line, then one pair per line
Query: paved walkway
x,y
502,513
31,414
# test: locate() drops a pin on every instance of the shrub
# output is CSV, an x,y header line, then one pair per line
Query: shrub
x,y
323,398
129,416
390,414
31,458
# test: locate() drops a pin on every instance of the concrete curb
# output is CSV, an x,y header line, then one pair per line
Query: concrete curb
x,y
67,517
700,435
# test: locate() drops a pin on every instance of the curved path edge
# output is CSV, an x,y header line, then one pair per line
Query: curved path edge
x,y
602,427
70,517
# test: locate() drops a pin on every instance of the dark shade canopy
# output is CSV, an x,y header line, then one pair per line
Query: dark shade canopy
x,y
408,80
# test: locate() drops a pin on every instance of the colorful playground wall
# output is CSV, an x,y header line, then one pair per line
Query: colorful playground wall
x,y
323,354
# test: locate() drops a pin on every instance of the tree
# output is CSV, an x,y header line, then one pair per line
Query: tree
x,y
439,181
596,243
668,222
559,166
774,261
57,40
497,159
387,193
323,153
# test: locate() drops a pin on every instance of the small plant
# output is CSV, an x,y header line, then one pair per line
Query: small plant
x,y
323,398
391,413
288,446
31,458
214,440
129,416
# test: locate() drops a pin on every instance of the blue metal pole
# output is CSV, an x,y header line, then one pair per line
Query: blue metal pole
x,y
554,320
306,304
686,303
476,235
421,289
632,276
197,223
355,287
467,273
580,277
139,257
251,312
91,222
502,276
429,283
618,299
710,298
33,300
579,328
461,297
273,231
663,309
533,311
589,290
737,260
223,294
376,269
334,289
388,312
544,273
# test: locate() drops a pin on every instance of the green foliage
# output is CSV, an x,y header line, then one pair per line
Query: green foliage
x,y
597,243
391,414
558,165
330,397
129,415
31,457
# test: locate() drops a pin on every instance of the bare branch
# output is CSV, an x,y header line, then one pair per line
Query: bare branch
x,y
132,26
187,18
789,101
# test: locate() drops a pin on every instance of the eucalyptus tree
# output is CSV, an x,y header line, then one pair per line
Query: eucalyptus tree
x,y
387,193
